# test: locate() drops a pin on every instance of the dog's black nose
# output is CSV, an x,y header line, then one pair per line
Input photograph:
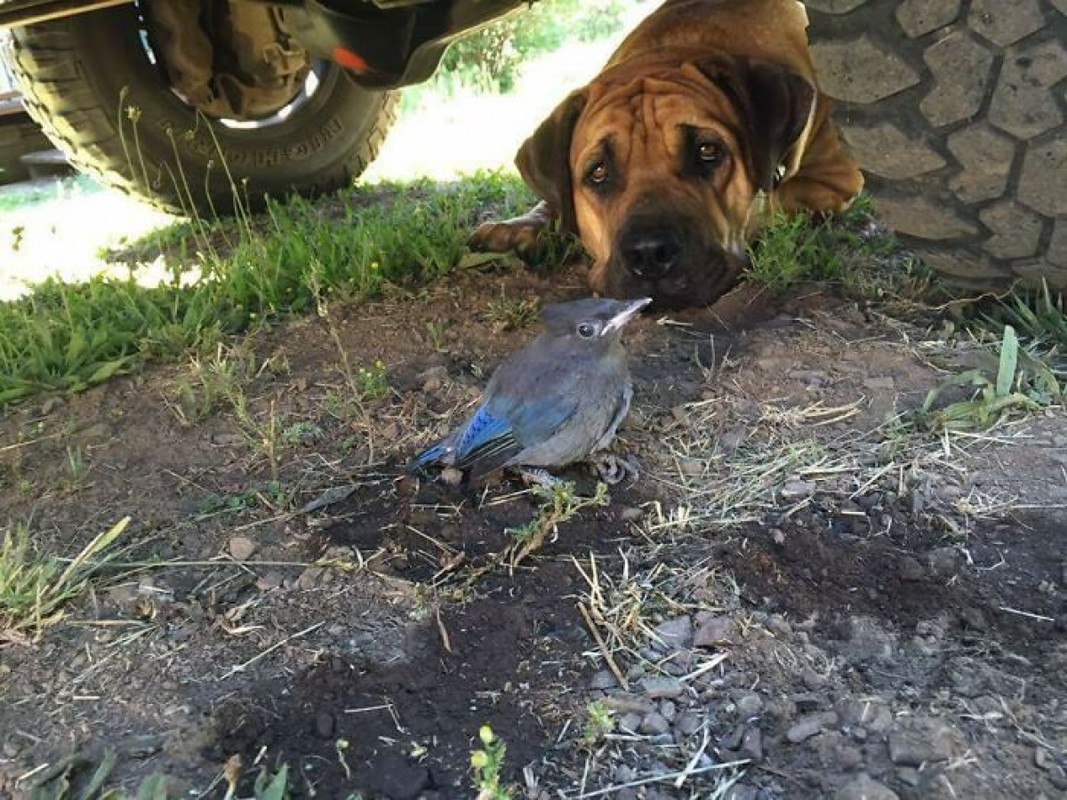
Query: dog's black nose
x,y
652,253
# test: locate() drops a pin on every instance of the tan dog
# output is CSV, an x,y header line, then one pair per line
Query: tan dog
x,y
705,120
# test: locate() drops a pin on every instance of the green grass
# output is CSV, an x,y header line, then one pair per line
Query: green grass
x,y
795,249
67,337
35,589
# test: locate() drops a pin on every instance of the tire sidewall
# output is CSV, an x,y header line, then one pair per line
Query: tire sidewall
x,y
167,143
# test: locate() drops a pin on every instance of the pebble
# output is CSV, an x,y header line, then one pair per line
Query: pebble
x,y
668,710
779,626
625,703
630,514
630,722
812,679
604,679
943,561
324,725
974,619
732,740
310,578
910,570
688,722
749,706
270,581
909,775
712,631
809,726
657,688
865,788
654,723
752,745
673,634
806,702
797,490
450,476
912,749
1041,758
241,547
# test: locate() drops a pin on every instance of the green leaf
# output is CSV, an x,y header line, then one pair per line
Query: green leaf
x,y
1009,360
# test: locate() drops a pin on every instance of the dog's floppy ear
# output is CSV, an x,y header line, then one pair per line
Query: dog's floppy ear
x,y
775,104
544,159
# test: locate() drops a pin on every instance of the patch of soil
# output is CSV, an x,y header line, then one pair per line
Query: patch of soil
x,y
861,620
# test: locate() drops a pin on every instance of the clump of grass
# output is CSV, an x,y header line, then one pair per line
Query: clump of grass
x,y
1017,383
35,590
513,313
68,337
558,502
487,763
599,721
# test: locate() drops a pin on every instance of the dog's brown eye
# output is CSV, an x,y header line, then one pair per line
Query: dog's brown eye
x,y
597,174
710,152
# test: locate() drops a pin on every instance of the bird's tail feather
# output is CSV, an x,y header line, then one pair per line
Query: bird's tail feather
x,y
430,455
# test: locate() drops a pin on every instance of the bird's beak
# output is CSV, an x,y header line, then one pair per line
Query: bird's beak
x,y
620,319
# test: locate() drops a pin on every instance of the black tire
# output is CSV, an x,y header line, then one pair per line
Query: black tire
x,y
19,136
90,84
956,112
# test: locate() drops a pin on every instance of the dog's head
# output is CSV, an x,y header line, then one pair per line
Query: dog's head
x,y
662,171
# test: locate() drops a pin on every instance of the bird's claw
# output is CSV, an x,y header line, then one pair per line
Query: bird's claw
x,y
534,476
613,469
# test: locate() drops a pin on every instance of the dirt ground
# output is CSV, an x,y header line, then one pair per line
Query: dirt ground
x,y
801,595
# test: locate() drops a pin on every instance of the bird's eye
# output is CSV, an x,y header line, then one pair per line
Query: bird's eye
x,y
597,174
710,152
587,330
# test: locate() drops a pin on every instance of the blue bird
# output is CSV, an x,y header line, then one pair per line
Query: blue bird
x,y
556,401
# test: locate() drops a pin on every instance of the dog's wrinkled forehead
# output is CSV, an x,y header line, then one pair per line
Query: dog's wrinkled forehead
x,y
649,114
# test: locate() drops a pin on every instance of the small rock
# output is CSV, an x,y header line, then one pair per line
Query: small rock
x,y
269,582
808,726
654,723
859,734
433,378
778,536
688,722
910,570
450,476
974,619
732,740
690,467
944,562
1041,758
324,725
865,788
668,710
779,626
812,679
50,405
674,634
604,679
241,547
749,706
909,775
797,490
310,578
913,748
624,703
806,702
657,687
752,745
868,641
629,723
713,631
880,383
630,514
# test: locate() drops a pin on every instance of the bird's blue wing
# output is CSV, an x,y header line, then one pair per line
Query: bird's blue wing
x,y
487,442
